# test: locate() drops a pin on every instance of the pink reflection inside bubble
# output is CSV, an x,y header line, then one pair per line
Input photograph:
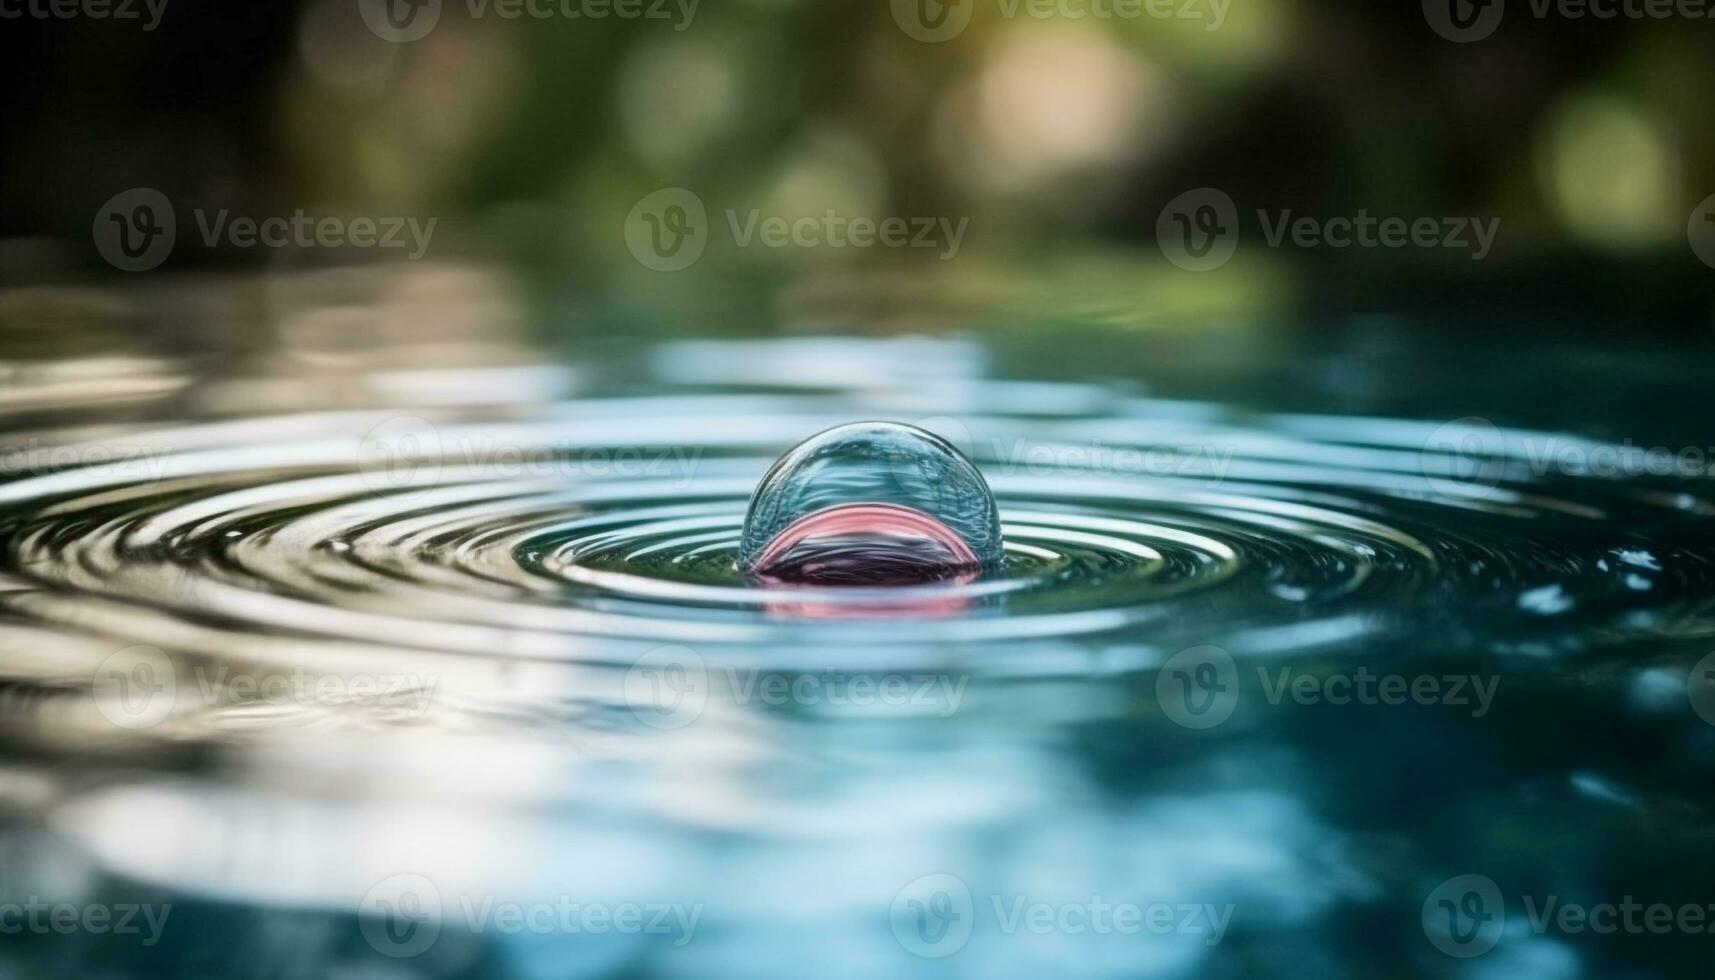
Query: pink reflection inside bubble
x,y
867,545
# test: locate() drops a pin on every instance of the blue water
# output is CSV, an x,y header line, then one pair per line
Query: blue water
x,y
418,663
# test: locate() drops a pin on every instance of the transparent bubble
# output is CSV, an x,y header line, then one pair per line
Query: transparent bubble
x,y
871,503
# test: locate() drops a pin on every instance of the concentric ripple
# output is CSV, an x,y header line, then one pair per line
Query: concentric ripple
x,y
488,630
590,528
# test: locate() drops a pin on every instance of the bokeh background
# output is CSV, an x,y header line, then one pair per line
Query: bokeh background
x,y
1059,138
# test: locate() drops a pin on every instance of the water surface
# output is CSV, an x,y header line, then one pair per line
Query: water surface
x,y
337,653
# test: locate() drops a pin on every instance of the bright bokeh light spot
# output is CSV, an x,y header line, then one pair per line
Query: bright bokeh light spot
x,y
675,96
829,170
1612,174
1052,102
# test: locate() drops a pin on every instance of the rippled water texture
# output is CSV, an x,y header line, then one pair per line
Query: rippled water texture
x,y
484,626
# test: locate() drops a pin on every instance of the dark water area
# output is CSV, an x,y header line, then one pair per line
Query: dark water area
x,y
1315,652
865,559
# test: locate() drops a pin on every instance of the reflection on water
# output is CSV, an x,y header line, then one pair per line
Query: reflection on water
x,y
430,659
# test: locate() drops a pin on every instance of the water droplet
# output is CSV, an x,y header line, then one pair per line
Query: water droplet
x,y
871,503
